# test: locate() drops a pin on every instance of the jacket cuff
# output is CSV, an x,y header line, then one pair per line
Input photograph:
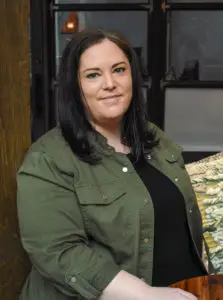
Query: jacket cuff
x,y
91,287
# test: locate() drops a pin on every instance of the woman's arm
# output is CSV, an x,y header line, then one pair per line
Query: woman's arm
x,y
52,230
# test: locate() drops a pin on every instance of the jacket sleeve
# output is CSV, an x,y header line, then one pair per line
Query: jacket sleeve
x,y
52,230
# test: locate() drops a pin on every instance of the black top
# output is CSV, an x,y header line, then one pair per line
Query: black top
x,y
175,258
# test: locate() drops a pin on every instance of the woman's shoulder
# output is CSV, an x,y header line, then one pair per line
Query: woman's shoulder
x,y
52,140
164,141
53,148
158,133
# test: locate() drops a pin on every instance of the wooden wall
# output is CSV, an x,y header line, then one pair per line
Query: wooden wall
x,y
14,138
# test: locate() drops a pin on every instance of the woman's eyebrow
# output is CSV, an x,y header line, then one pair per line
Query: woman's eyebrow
x,y
98,69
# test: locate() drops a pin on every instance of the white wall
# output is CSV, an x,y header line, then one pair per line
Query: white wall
x,y
194,118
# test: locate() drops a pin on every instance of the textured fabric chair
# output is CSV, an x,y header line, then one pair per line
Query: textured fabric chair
x,y
207,180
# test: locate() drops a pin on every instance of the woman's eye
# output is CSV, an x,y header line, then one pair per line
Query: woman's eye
x,y
120,70
92,75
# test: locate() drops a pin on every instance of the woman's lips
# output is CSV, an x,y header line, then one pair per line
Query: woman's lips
x,y
111,97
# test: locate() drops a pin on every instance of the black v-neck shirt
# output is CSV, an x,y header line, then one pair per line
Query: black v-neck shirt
x,y
174,255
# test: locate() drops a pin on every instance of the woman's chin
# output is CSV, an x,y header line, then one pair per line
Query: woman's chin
x,y
115,113
111,118
114,116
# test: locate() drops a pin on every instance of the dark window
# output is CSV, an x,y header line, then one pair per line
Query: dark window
x,y
195,44
110,20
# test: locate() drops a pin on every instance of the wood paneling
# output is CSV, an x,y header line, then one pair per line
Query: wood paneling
x,y
14,138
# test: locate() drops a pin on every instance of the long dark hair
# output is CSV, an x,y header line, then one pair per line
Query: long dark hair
x,y
72,115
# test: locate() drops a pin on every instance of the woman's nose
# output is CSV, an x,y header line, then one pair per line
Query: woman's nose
x,y
109,82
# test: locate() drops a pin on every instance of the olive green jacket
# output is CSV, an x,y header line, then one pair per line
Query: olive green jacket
x,y
81,224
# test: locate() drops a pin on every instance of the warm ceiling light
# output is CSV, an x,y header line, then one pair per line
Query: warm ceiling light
x,y
70,25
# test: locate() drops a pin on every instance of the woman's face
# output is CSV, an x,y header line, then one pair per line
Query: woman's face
x,y
106,82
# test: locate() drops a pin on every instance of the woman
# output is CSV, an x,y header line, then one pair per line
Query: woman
x,y
106,208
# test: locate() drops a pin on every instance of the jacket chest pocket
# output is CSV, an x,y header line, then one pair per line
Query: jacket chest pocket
x,y
104,210
178,174
174,156
176,164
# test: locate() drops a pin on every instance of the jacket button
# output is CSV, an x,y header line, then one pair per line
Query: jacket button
x,y
176,179
146,241
124,169
73,279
